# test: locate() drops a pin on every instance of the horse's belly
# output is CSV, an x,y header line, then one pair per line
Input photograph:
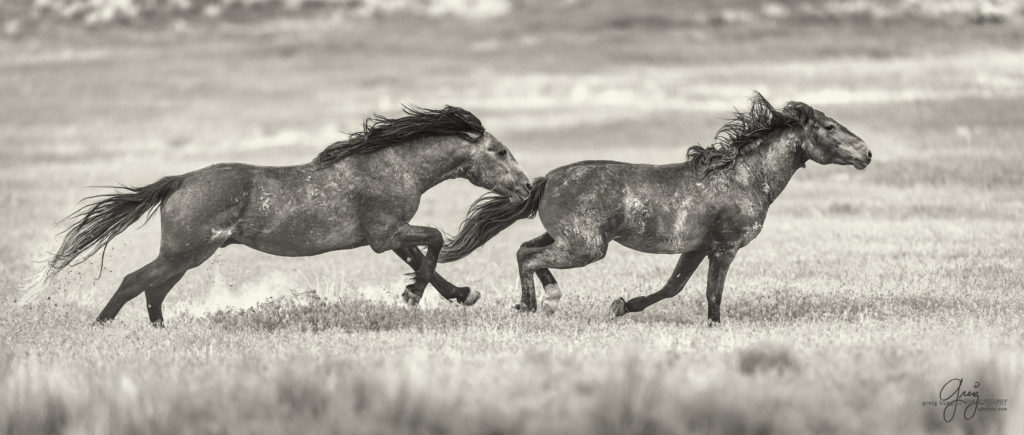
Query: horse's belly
x,y
302,236
663,230
662,243
300,246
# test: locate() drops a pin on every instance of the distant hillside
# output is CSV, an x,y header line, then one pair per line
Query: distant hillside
x,y
24,15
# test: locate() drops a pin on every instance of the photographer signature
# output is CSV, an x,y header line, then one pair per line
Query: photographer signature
x,y
953,394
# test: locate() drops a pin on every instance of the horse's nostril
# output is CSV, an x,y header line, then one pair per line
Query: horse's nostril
x,y
529,186
869,154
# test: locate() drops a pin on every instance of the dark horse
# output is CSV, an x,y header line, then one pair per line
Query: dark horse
x,y
357,192
709,206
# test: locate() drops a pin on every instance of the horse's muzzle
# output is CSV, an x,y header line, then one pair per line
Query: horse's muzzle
x,y
860,160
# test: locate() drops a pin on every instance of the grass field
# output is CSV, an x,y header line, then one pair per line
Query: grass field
x,y
865,293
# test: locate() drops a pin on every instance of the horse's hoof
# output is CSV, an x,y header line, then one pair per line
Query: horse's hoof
x,y
549,307
410,297
713,323
619,307
471,298
552,295
523,308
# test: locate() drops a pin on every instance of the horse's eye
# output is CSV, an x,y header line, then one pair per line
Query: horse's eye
x,y
830,127
502,153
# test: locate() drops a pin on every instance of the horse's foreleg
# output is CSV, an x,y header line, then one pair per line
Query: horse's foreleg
x,y
411,237
685,267
464,295
718,267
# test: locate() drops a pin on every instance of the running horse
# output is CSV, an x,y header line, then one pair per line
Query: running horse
x,y
707,207
357,192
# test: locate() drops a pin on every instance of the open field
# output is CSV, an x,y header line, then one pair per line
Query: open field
x,y
864,294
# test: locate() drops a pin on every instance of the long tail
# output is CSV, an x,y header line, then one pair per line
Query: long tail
x,y
488,216
97,223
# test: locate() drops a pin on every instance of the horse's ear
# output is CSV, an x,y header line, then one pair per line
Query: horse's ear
x,y
803,113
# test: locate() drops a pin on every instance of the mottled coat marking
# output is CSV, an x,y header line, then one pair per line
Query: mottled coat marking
x,y
358,192
707,207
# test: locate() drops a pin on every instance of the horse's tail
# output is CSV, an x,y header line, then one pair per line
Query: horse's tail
x,y
488,216
96,223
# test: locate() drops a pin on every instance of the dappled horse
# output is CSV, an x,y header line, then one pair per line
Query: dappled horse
x,y
357,192
709,206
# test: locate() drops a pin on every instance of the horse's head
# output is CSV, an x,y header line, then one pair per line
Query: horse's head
x,y
827,141
492,166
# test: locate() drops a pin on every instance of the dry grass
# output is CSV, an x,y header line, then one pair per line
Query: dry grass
x,y
864,294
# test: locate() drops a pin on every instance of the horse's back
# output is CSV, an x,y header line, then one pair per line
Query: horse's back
x,y
614,178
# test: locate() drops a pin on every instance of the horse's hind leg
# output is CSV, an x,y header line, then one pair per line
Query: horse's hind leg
x,y
464,295
150,277
156,279
155,299
687,264
552,293
557,255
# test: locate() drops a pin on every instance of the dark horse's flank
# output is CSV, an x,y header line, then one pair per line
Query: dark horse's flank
x,y
358,192
709,206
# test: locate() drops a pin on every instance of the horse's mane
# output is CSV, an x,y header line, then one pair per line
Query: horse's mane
x,y
380,132
743,130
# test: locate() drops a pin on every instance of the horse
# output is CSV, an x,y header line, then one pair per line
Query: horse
x,y
709,206
357,192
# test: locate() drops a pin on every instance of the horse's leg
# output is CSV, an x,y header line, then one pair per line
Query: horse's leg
x,y
528,301
150,277
414,258
718,267
156,279
558,256
155,299
687,263
133,284
551,291
410,236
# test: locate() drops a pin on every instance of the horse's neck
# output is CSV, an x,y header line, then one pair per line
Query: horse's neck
x,y
427,162
770,165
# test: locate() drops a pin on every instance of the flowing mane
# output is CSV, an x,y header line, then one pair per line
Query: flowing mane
x,y
743,130
380,132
